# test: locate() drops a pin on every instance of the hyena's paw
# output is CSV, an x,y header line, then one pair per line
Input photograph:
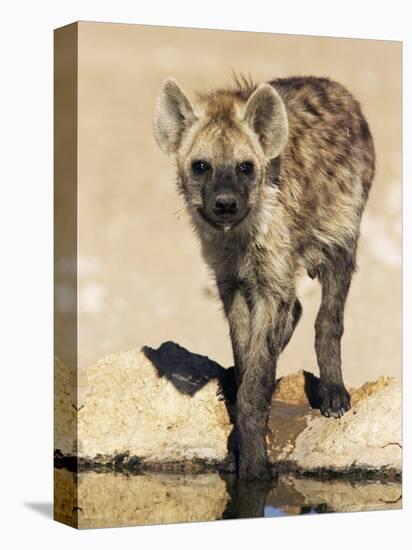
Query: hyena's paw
x,y
334,400
250,470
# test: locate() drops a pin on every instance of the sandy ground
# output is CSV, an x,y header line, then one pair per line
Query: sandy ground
x,y
141,276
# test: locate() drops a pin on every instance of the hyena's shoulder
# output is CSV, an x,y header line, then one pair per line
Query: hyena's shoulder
x,y
301,90
328,132
320,102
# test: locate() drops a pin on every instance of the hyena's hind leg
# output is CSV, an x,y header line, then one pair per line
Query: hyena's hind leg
x,y
296,312
335,277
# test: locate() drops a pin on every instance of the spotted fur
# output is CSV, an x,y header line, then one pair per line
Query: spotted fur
x,y
313,160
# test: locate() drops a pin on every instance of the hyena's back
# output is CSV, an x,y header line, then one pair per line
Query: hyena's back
x,y
328,164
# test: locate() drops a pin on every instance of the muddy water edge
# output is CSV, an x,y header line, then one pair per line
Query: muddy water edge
x,y
108,499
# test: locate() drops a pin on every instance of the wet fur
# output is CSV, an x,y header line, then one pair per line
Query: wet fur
x,y
306,209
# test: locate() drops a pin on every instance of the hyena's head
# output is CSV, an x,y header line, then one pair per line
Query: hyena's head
x,y
222,145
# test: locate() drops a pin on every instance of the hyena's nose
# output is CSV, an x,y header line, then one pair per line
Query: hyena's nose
x,y
225,203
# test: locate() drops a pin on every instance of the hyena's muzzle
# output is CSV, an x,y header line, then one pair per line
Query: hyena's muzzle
x,y
225,195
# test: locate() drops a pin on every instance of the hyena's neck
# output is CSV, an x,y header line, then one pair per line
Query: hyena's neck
x,y
259,244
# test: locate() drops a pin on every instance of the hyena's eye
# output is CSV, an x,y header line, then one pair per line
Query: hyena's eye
x,y
246,168
200,167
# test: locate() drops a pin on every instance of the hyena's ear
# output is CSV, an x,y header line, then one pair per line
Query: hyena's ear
x,y
173,115
266,114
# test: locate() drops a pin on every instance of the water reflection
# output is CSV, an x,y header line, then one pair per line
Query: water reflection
x,y
114,499
272,512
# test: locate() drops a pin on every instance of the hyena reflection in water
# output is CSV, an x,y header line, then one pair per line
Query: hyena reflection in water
x,y
275,178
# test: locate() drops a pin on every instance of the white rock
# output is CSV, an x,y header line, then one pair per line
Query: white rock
x,y
159,407
368,437
127,405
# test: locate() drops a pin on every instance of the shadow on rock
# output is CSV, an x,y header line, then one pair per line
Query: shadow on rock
x,y
312,389
188,371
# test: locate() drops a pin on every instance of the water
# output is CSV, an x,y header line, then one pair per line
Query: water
x,y
92,499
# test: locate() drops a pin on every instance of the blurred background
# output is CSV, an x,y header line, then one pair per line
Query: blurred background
x,y
142,280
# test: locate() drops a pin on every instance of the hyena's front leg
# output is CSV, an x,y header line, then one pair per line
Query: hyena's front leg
x,y
335,280
272,323
238,315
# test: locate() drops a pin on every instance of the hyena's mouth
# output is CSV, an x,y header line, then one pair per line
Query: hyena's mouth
x,y
224,225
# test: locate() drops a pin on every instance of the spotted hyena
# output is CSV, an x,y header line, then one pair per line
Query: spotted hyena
x,y
275,178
